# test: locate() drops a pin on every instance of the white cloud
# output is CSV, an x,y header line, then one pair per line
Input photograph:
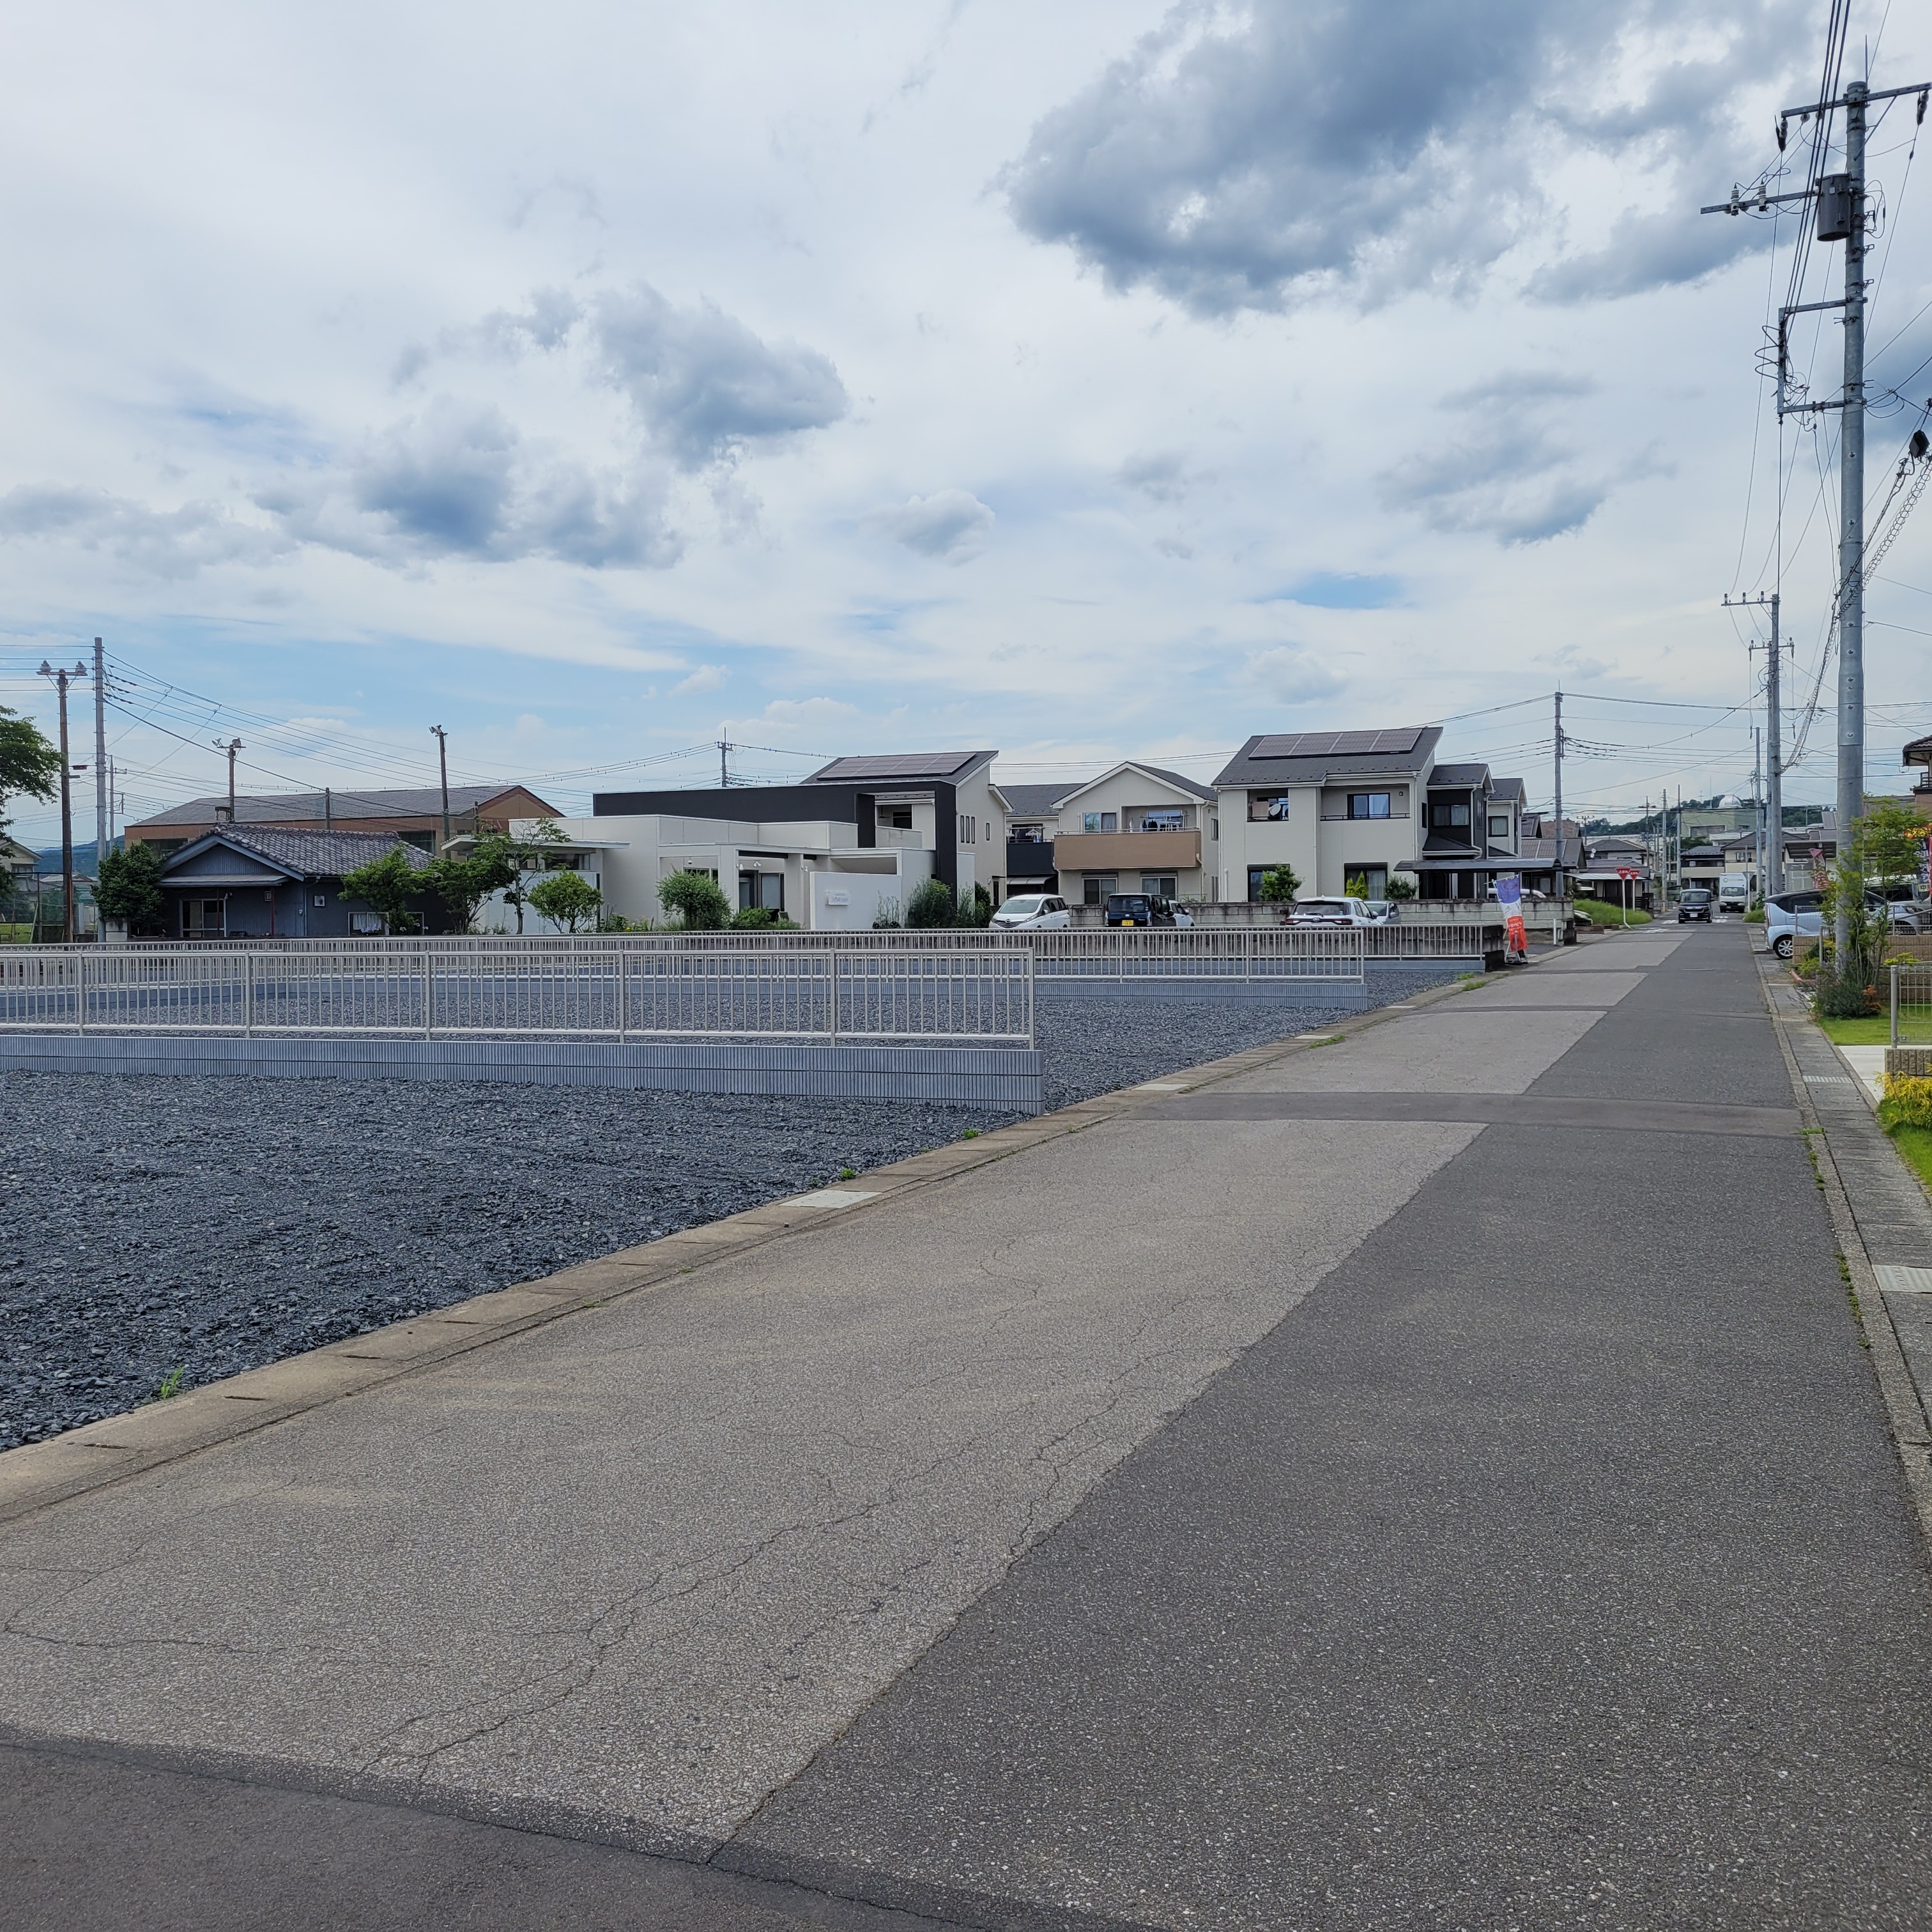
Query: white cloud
x,y
706,677
808,711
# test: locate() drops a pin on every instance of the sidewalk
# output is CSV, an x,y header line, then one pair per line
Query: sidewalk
x,y
1381,1488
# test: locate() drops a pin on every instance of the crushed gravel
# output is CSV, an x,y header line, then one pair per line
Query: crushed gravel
x,y
208,1226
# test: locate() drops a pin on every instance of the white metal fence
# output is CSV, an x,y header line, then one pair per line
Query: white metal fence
x,y
977,995
1911,1005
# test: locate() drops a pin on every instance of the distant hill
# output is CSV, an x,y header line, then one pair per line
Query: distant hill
x,y
48,859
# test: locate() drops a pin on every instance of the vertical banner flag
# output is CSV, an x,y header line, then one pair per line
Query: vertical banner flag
x,y
1509,896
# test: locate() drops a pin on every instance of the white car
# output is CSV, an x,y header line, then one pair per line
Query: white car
x,y
1331,912
1037,911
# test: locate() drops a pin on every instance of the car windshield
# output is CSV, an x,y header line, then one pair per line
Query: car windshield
x,y
1323,905
1126,902
1022,905
1695,897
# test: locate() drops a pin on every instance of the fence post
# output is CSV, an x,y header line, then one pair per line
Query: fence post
x,y
247,996
1032,1008
832,1000
80,993
429,993
622,959
1894,1004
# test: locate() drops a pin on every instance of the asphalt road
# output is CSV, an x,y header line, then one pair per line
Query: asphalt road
x,y
1497,1527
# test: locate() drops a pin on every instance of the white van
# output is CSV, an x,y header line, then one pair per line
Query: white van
x,y
1733,891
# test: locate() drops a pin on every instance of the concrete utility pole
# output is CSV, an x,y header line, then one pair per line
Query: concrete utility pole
x,y
101,828
1773,794
724,765
1556,877
62,679
233,745
443,760
1757,805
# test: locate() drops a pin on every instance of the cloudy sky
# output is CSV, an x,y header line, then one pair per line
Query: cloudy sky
x,y
1082,380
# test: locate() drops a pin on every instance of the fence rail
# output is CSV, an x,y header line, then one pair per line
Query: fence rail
x,y
977,995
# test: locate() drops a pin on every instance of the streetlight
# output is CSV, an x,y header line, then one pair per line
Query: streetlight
x,y
62,679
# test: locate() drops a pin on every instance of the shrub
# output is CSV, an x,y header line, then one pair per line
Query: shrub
x,y
697,899
567,899
762,918
386,886
1907,1102
978,910
1279,884
1399,888
129,888
932,905
886,919
1846,996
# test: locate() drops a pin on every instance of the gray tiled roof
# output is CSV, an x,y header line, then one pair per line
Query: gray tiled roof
x,y
902,768
1507,788
412,802
305,855
1459,774
1036,801
1263,760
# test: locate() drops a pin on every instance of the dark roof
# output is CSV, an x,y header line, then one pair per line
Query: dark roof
x,y
903,768
1507,788
1035,801
1306,757
1459,774
412,802
302,855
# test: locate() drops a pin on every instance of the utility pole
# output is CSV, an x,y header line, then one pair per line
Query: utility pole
x,y
1840,214
1757,808
328,809
62,679
724,767
1556,877
100,758
442,761
1774,744
233,745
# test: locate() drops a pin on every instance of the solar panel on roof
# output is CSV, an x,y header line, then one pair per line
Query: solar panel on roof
x,y
1337,744
909,765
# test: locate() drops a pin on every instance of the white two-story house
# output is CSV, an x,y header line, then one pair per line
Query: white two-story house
x,y
1138,828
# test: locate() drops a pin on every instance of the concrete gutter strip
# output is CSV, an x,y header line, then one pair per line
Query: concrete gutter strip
x,y
110,1450
1911,1428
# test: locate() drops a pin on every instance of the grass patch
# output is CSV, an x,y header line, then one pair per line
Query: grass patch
x,y
1874,1030
170,1388
1602,913
1334,1040
1915,1144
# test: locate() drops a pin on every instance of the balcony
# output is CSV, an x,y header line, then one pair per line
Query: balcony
x,y
1029,858
1120,852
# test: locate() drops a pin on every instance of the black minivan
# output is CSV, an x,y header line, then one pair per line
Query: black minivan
x,y
1696,903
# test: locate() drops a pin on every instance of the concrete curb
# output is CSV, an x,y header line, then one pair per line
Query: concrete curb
x,y
111,1450
1911,1430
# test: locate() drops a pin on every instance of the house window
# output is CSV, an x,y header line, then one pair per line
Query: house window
x,y
204,918
1368,882
1214,826
1026,835
1499,825
969,829
1163,819
1098,890
1444,817
1264,806
895,817
1159,885
1100,821
1368,804
761,889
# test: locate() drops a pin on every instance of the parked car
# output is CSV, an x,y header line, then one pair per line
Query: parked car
x,y
1907,902
1696,903
1040,911
1331,912
1139,909
1382,911
1791,916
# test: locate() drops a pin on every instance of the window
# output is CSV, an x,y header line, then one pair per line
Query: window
x,y
1367,882
764,890
1098,890
969,829
1264,806
204,918
1214,829
1100,821
1444,817
1499,825
896,818
1368,804
1158,885
1026,835
1163,818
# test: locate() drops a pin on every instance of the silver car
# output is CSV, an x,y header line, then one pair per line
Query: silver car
x,y
1039,912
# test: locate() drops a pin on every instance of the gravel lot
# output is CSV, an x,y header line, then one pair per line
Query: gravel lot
x,y
211,1226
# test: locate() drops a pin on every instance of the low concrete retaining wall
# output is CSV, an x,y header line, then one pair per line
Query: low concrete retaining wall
x,y
1008,1078
1909,1063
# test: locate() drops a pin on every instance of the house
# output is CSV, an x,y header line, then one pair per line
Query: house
x,y
1605,860
264,882
1543,849
1137,827
1357,809
850,843
414,814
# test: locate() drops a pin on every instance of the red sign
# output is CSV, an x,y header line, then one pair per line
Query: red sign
x,y
1628,872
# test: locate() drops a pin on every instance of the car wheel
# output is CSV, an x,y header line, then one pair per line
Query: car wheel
x,y
1782,946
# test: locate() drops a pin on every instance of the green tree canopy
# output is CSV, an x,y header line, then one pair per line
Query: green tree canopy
x,y
29,763
1279,884
494,864
1888,842
567,899
386,886
129,888
697,898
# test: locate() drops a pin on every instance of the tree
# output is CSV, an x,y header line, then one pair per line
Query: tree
x,y
530,853
932,905
1279,884
494,864
386,886
567,899
697,899
29,764
977,911
1399,887
129,887
1888,842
